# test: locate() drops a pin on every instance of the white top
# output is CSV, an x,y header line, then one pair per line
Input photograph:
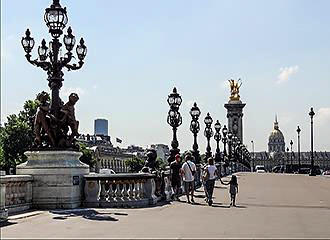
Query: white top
x,y
211,169
187,176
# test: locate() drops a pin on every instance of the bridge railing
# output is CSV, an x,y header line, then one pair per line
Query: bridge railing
x,y
121,190
17,190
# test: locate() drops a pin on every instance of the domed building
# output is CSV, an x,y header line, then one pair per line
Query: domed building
x,y
276,141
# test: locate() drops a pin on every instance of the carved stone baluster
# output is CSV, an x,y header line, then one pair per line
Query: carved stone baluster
x,y
110,191
15,193
131,189
103,192
136,189
124,192
8,194
141,190
118,191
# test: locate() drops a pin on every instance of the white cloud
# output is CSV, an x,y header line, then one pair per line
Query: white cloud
x,y
322,116
285,73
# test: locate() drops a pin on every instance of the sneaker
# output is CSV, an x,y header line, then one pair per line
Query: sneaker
x,y
192,200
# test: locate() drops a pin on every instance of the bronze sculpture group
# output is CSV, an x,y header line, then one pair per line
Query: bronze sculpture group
x,y
52,131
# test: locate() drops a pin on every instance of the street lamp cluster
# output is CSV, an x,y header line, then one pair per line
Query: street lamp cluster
x,y
237,152
56,20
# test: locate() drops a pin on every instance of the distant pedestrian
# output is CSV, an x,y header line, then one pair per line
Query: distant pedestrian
x,y
209,177
188,171
176,176
233,190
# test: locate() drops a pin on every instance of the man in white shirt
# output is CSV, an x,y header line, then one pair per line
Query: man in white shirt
x,y
188,171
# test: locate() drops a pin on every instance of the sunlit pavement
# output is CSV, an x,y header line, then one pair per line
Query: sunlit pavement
x,y
268,206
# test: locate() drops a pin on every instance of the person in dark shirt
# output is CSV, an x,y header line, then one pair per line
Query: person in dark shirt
x,y
175,176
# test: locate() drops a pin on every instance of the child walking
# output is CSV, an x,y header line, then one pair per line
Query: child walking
x,y
233,190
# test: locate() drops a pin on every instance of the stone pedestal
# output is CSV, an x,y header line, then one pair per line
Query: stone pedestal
x,y
57,178
235,117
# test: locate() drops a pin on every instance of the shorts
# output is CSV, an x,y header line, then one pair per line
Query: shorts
x,y
189,186
176,183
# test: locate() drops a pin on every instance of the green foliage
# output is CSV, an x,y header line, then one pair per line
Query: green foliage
x,y
16,139
87,156
161,163
17,136
135,163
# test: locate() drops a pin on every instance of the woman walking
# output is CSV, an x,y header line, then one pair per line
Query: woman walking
x,y
210,174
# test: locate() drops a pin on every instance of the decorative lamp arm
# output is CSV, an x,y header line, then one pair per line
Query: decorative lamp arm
x,y
43,64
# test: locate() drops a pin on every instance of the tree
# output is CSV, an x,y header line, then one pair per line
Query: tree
x,y
16,136
16,139
135,163
87,156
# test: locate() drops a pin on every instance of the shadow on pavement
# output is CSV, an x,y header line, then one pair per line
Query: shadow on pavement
x,y
89,214
6,223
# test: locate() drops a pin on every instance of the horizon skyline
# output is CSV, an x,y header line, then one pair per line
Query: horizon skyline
x,y
142,50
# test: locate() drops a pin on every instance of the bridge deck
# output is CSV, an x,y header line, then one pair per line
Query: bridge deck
x,y
269,205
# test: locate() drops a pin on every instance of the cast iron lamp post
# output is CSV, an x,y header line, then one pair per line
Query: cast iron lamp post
x,y
56,19
287,159
194,128
230,136
312,171
174,119
252,155
291,157
224,140
208,133
298,131
217,138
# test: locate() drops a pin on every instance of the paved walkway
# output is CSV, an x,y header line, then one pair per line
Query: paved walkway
x,y
269,206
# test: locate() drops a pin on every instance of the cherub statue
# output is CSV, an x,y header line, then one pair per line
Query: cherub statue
x,y
68,118
42,119
234,89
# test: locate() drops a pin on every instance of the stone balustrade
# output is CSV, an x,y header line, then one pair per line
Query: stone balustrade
x,y
18,192
120,190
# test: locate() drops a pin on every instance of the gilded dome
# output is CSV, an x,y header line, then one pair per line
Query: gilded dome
x,y
276,139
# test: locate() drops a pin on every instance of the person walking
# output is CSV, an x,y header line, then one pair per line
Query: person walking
x,y
233,190
210,175
188,171
175,176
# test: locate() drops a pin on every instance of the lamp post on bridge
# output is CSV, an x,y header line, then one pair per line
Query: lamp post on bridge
x,y
230,136
312,171
298,131
224,140
194,128
217,138
174,119
208,133
252,142
56,20
291,157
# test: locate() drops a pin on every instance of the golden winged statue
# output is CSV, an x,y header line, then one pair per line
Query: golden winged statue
x,y
234,89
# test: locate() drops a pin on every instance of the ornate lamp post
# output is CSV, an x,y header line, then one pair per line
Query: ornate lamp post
x,y
291,157
56,19
224,140
217,138
298,131
252,155
287,159
208,133
174,119
312,172
230,136
194,128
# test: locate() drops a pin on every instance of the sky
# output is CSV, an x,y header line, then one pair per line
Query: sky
x,y
139,50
